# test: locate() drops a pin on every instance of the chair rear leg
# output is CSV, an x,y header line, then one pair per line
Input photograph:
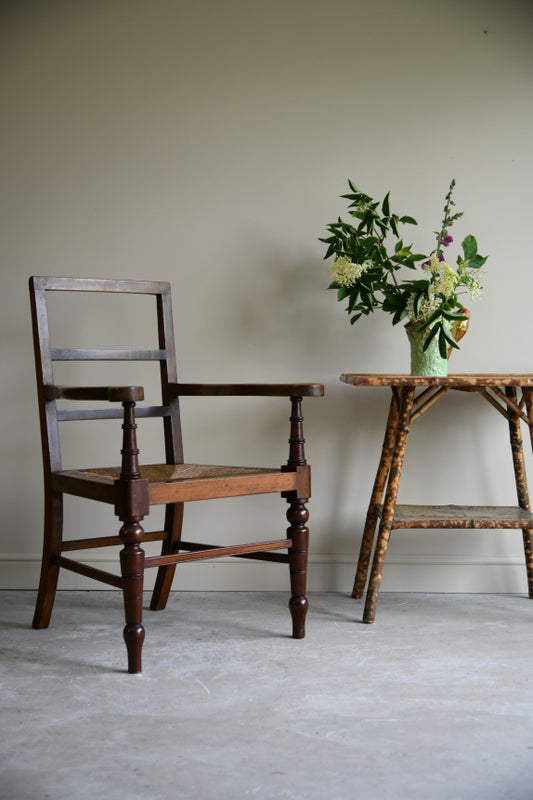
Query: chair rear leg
x,y
165,575
298,515
53,534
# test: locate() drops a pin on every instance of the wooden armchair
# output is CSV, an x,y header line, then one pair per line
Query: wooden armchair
x,y
133,489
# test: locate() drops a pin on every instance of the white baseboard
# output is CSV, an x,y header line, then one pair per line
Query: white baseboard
x,y
327,573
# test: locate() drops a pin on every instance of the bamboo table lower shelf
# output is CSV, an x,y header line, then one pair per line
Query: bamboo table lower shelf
x,y
512,396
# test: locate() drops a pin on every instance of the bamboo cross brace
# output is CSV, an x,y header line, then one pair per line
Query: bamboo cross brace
x,y
494,403
528,399
511,405
423,406
511,402
423,394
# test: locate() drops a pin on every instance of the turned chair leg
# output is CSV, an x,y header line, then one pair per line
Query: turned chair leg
x,y
132,505
53,534
165,575
297,515
132,568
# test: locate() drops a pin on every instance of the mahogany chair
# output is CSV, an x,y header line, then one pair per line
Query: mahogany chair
x,y
132,489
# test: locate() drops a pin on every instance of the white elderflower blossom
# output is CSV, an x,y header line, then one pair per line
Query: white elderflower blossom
x,y
473,286
433,265
427,307
447,281
345,273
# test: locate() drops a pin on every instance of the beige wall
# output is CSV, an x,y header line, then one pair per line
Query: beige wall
x,y
206,143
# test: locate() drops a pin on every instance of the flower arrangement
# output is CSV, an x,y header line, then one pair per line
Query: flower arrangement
x,y
365,270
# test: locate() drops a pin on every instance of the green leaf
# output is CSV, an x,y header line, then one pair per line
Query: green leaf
x,y
453,315
400,314
477,261
400,254
436,314
394,226
443,347
385,206
469,245
432,334
409,220
449,338
343,293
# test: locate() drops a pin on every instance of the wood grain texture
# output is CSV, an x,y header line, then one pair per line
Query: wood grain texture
x,y
66,354
112,394
248,389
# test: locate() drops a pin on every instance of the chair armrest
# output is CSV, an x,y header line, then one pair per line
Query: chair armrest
x,y
248,389
114,394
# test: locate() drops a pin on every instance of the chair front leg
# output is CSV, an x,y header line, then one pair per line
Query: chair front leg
x,y
297,515
132,504
132,569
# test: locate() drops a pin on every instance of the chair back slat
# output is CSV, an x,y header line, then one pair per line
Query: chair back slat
x,y
59,354
98,285
45,356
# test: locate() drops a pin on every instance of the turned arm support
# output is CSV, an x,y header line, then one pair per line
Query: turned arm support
x,y
113,394
247,389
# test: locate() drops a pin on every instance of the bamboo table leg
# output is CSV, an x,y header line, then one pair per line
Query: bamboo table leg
x,y
391,495
380,482
524,498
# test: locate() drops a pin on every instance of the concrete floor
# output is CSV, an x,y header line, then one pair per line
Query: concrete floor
x,y
432,702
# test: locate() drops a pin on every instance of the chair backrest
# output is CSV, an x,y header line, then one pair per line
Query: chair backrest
x,y
46,355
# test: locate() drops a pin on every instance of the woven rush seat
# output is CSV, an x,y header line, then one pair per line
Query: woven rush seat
x,y
169,473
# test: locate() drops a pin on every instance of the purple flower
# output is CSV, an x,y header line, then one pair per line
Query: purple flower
x,y
447,240
441,257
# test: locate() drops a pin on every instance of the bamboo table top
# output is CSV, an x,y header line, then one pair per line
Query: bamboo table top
x,y
466,380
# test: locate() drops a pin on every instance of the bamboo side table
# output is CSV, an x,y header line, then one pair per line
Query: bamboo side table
x,y
512,396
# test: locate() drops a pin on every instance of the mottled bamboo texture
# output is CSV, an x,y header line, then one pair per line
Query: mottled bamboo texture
x,y
521,477
457,381
501,392
380,482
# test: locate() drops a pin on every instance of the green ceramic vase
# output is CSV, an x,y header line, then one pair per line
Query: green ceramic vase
x,y
425,362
